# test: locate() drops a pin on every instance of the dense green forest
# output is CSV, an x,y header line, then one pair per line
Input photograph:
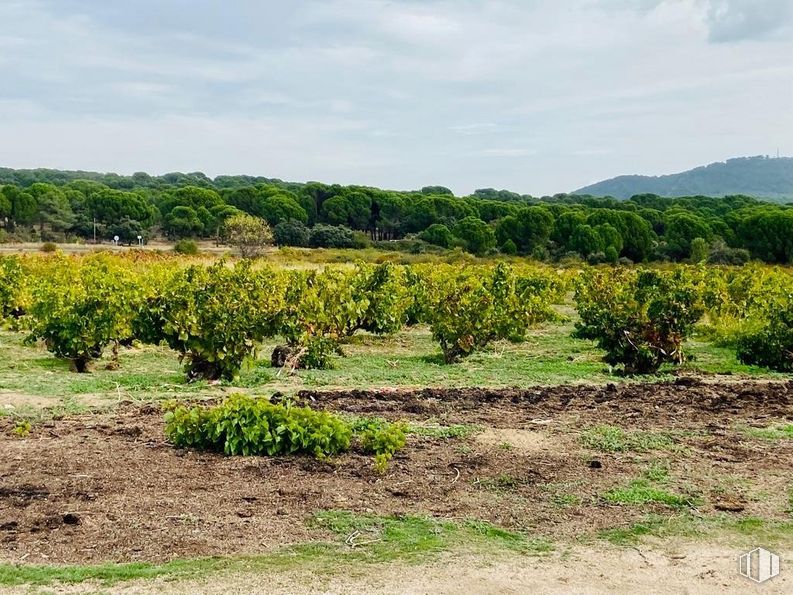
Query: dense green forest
x,y
754,176
52,205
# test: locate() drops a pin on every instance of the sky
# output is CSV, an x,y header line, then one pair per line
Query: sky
x,y
535,96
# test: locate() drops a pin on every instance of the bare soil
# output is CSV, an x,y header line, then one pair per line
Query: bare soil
x,y
683,568
11,400
108,487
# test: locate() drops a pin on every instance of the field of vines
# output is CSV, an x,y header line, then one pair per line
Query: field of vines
x,y
216,314
359,412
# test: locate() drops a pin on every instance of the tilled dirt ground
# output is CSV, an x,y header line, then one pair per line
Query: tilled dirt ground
x,y
108,487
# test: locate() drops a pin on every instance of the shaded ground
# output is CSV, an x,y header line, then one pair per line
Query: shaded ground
x,y
107,487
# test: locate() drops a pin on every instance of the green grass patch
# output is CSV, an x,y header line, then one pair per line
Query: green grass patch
x,y
710,358
657,472
443,432
412,538
642,491
427,430
564,500
106,574
561,494
607,438
633,533
775,432
501,483
314,555
747,530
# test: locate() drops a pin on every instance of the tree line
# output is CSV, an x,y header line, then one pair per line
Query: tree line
x,y
51,205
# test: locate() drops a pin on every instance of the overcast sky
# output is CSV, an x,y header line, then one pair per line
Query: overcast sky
x,y
537,96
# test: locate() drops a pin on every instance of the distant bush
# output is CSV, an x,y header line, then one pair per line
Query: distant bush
x,y
331,236
49,235
248,234
292,233
360,239
186,247
721,253
699,250
509,247
49,247
411,245
438,234
596,258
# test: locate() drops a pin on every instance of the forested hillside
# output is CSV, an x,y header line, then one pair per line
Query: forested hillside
x,y
51,205
754,176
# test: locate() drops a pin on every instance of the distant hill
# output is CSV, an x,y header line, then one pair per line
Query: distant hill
x,y
761,177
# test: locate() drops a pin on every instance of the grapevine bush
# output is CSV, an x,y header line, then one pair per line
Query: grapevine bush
x,y
771,345
12,281
322,309
319,309
640,318
384,289
214,316
738,300
81,307
470,308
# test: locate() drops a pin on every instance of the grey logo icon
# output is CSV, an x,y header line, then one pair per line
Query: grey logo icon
x,y
758,565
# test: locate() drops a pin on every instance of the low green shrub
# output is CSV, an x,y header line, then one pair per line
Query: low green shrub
x,y
330,236
380,438
49,247
186,247
243,425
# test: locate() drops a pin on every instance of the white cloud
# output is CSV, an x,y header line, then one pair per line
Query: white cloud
x,y
533,95
737,20
507,152
476,128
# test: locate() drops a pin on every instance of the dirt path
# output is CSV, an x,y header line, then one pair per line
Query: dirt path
x,y
668,569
